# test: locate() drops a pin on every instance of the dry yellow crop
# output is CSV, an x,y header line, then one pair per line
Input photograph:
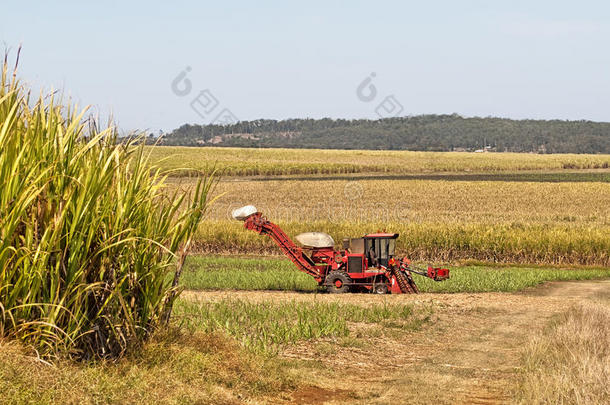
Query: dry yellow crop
x,y
532,222
519,208
243,161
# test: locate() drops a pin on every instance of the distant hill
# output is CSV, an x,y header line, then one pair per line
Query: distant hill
x,y
418,133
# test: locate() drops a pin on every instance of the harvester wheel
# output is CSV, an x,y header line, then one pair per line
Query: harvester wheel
x,y
337,282
381,289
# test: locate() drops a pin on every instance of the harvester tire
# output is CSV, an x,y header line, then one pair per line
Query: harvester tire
x,y
381,288
337,282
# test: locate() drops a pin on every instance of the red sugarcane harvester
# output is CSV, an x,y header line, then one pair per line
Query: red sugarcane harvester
x,y
366,264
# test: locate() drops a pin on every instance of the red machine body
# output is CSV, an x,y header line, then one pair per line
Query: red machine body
x,y
366,264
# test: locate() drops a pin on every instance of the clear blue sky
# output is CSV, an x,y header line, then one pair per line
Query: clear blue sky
x,y
281,59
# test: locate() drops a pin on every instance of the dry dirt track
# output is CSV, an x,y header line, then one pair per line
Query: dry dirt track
x,y
470,354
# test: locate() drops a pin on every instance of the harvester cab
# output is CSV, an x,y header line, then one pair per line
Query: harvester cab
x,y
364,264
380,247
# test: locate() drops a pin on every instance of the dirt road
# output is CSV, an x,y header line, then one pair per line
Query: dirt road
x,y
470,354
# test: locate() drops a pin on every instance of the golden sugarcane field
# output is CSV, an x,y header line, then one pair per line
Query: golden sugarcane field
x,y
488,207
249,161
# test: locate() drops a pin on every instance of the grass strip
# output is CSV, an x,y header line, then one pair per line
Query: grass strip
x,y
224,273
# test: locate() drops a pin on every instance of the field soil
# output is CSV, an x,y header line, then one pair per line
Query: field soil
x,y
469,353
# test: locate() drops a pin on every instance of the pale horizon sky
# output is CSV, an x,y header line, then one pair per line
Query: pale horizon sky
x,y
272,59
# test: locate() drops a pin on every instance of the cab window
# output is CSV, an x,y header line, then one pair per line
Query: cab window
x,y
383,248
391,247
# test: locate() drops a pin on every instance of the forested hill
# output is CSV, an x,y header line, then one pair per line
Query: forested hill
x,y
421,133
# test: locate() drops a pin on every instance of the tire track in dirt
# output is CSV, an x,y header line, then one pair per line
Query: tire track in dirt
x,y
470,354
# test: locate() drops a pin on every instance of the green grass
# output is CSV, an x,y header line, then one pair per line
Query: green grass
x,y
174,368
507,279
220,273
267,325
225,353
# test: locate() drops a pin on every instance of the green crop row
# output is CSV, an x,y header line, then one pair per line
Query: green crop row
x,y
219,273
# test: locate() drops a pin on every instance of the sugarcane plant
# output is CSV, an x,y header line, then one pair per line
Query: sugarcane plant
x,y
91,241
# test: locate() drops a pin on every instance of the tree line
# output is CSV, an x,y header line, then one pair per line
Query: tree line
x,y
418,133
